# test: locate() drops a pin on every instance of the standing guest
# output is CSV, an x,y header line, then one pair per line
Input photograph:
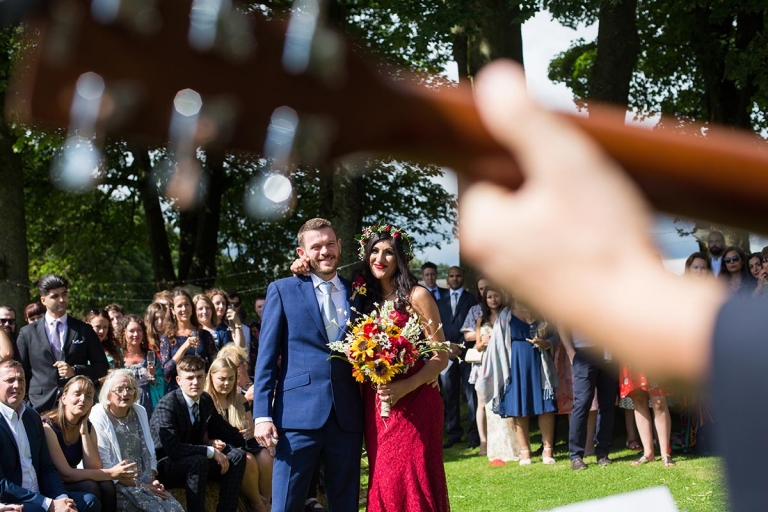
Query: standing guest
x,y
492,428
237,306
156,319
58,347
530,390
116,313
759,273
8,322
182,424
429,276
72,441
736,273
593,373
698,265
454,306
309,403
132,335
27,475
469,331
255,328
183,336
209,320
100,322
33,312
163,297
228,320
221,386
642,390
716,246
123,433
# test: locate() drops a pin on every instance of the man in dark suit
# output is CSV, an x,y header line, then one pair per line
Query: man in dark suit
x,y
454,307
317,413
27,475
429,276
179,425
57,347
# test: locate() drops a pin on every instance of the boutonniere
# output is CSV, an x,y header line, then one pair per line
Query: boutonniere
x,y
358,286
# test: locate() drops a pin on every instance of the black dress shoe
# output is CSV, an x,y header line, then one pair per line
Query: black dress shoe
x,y
474,444
578,464
604,461
448,444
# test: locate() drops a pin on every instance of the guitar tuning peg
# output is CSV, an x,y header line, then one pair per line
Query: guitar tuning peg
x,y
179,174
140,16
215,25
75,169
311,46
281,136
269,196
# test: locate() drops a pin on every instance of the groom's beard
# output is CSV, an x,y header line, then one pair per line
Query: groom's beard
x,y
324,267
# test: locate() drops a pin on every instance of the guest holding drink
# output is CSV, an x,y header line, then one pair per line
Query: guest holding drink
x,y
183,336
141,361
257,481
72,439
122,429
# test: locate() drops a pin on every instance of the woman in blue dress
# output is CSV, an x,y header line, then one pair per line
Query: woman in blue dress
x,y
183,336
530,385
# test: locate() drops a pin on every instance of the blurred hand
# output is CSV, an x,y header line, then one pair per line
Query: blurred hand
x,y
218,444
300,267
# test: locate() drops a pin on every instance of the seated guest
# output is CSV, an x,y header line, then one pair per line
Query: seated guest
x,y
123,432
221,386
183,422
238,356
71,440
27,475
132,337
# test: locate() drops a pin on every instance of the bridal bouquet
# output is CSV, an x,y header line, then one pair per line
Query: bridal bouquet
x,y
382,344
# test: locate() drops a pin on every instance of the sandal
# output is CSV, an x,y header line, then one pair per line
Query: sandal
x,y
643,460
633,444
525,462
483,449
545,459
667,460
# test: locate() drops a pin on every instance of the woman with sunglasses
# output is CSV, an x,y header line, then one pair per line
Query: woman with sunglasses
x,y
737,275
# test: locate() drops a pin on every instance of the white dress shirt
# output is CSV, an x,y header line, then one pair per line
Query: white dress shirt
x,y
338,296
717,265
28,473
190,403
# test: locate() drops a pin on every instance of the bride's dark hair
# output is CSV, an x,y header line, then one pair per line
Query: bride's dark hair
x,y
403,279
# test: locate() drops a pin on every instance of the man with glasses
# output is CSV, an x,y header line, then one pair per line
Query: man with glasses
x,y
57,347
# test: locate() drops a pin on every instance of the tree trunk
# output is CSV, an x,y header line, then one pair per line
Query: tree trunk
x,y
14,262
160,249
618,45
347,212
498,35
203,268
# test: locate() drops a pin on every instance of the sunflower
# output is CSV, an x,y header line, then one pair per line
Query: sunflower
x,y
381,371
393,331
358,374
363,348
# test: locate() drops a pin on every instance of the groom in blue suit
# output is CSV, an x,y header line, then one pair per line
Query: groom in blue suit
x,y
309,404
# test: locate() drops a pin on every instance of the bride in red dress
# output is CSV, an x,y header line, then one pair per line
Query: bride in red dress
x,y
405,451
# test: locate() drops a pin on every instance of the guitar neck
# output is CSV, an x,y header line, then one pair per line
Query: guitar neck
x,y
722,176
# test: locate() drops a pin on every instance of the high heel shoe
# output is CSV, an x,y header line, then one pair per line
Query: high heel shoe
x,y
523,460
547,459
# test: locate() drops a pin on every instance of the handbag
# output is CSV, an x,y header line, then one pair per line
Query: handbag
x,y
473,356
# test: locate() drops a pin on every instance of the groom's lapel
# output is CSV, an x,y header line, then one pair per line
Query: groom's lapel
x,y
307,291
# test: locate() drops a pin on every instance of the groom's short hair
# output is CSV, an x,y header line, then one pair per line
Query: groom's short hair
x,y
313,225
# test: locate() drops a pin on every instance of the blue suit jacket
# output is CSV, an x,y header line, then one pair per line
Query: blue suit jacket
x,y
48,479
307,383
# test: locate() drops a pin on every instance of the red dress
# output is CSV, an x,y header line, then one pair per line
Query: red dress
x,y
405,451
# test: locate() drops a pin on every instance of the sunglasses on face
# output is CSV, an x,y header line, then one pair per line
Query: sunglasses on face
x,y
235,304
9,321
733,259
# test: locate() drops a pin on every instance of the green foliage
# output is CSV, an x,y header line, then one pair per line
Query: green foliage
x,y
573,67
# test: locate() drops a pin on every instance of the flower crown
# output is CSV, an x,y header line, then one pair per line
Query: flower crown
x,y
396,233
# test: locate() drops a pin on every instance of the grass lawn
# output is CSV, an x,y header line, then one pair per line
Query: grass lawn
x,y
696,483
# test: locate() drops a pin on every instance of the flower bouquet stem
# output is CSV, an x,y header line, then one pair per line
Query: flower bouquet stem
x,y
385,408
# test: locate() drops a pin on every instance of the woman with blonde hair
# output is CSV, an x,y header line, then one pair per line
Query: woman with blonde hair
x,y
257,481
240,358
71,439
122,428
